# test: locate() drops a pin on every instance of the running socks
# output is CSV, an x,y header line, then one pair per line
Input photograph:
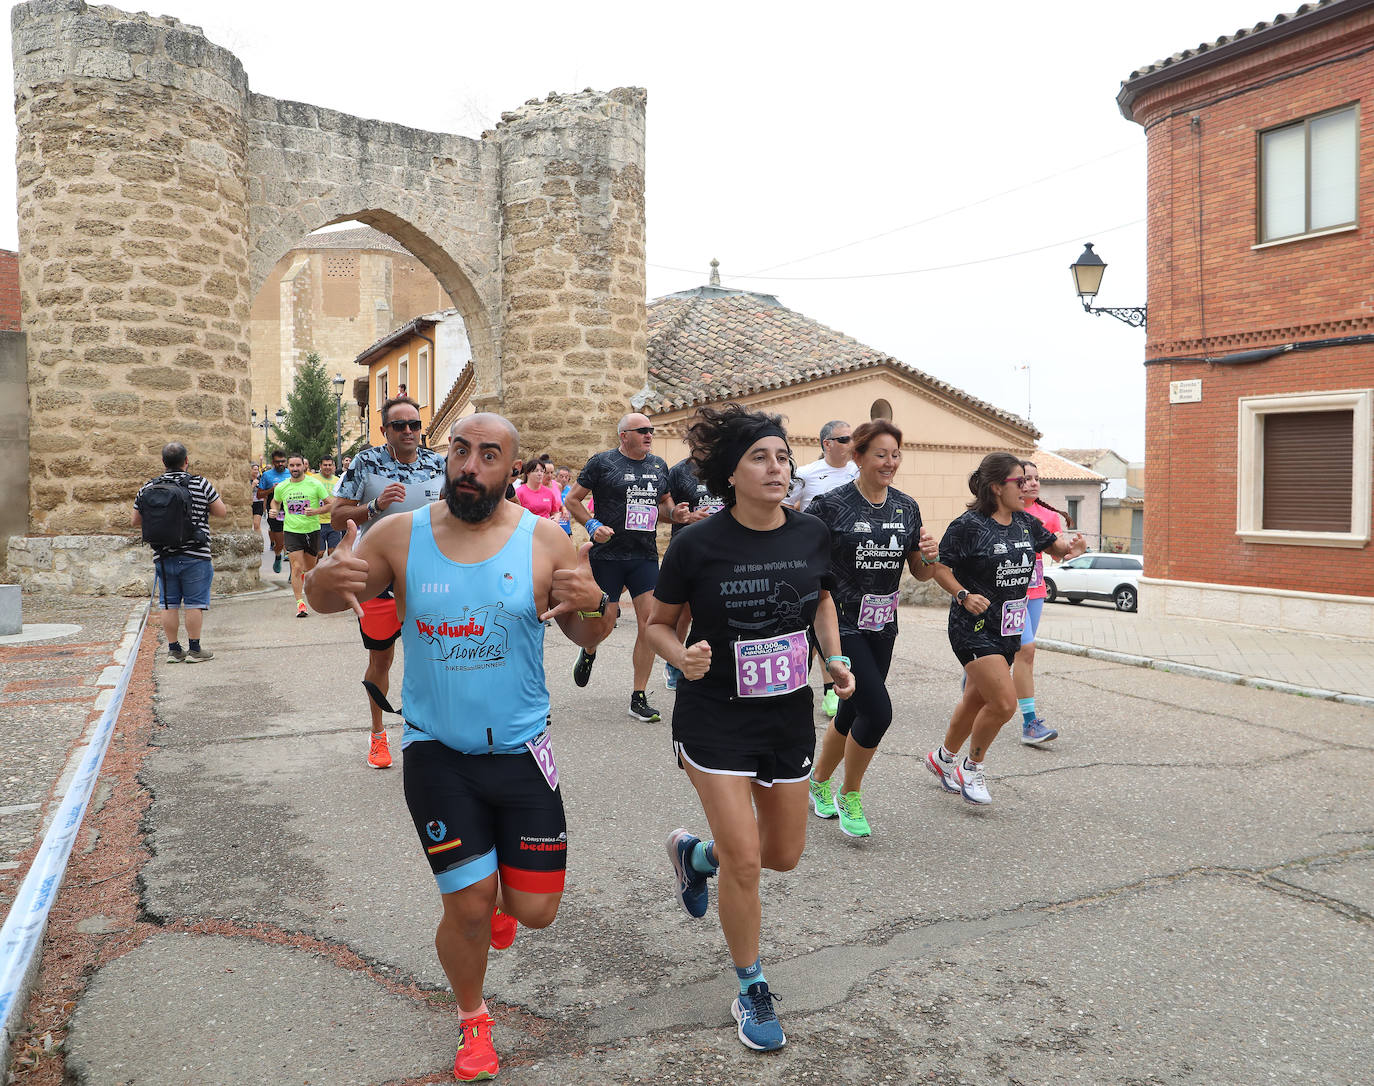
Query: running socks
x,y
703,858
175,646
1027,707
474,1014
750,974
945,755
194,642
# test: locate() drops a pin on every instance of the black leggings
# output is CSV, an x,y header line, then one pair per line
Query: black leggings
x,y
867,714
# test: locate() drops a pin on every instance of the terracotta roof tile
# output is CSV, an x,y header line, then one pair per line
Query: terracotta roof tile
x,y
712,343
1054,468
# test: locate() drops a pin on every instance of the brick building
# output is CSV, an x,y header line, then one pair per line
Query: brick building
x,y
9,291
1260,353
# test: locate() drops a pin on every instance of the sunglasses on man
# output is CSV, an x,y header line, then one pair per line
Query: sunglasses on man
x,y
413,425
638,430
842,440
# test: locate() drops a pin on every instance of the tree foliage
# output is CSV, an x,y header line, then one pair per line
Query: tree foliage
x,y
311,423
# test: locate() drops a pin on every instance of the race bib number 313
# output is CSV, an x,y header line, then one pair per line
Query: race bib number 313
x,y
770,666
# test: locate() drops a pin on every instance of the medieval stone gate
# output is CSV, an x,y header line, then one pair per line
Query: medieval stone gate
x,y
156,192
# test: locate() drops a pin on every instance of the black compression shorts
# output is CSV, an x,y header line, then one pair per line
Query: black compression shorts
x,y
482,813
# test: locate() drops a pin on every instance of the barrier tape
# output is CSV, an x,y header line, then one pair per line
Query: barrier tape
x,y
28,916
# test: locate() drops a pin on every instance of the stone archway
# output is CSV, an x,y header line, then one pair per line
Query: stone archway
x,y
156,191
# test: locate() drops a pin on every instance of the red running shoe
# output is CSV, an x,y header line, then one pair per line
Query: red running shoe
x,y
502,930
378,754
476,1057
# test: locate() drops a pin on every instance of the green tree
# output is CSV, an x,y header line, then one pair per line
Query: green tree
x,y
311,423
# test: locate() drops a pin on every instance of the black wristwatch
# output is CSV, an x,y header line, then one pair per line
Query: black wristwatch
x,y
961,596
600,611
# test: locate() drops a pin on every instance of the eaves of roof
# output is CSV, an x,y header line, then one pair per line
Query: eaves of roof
x,y
1229,46
416,324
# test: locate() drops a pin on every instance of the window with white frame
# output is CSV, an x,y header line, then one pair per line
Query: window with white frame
x,y
1303,468
382,394
1309,175
403,375
420,393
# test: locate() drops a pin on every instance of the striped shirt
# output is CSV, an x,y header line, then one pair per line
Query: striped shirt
x,y
203,495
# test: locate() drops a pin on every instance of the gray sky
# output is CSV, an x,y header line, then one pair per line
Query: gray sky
x,y
781,138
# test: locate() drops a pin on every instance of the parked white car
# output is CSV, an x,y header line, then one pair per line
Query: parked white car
x,y
1096,576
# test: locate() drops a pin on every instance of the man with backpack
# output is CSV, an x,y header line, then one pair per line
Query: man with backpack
x,y
174,510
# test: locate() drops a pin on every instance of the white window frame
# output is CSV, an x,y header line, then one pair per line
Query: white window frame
x,y
1308,231
421,394
383,387
403,374
1250,466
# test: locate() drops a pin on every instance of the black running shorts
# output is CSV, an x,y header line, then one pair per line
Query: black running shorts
x,y
785,766
309,542
482,813
614,575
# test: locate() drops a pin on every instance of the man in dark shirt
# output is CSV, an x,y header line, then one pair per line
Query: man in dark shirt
x,y
184,572
629,487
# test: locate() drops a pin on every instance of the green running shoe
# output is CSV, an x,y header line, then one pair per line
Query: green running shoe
x,y
852,820
830,703
822,798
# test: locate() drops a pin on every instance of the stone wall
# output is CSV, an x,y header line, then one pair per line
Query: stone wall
x,y
118,565
156,192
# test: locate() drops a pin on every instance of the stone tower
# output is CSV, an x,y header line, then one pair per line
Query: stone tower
x,y
156,192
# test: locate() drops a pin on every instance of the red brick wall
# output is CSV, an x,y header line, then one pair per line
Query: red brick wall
x,y
9,291
1211,293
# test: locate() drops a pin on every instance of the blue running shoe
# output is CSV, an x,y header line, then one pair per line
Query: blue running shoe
x,y
1035,733
670,675
692,892
759,1027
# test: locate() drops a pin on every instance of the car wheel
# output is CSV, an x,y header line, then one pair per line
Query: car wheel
x,y
1074,599
1051,593
1125,598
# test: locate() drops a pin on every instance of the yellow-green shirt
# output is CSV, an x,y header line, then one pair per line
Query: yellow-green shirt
x,y
296,498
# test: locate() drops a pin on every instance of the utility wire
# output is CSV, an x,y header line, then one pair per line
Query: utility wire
x,y
913,271
943,214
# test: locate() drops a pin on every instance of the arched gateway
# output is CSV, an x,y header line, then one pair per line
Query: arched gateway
x,y
156,192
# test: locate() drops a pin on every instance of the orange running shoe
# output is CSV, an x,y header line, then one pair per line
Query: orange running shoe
x,y
379,754
502,930
476,1057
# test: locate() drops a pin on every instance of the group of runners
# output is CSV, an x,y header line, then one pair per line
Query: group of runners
x,y
749,586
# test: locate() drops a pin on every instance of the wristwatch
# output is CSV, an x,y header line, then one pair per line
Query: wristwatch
x,y
600,611
961,596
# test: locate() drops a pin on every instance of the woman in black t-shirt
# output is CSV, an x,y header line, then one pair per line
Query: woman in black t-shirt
x,y
755,576
875,530
987,557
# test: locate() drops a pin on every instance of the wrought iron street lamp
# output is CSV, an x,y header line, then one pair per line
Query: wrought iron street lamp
x,y
1087,278
265,425
338,383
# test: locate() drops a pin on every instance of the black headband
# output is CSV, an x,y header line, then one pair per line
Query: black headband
x,y
746,439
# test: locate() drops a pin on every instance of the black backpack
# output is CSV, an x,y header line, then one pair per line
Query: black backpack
x,y
165,508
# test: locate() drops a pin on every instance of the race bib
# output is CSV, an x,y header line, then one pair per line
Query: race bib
x,y
1038,577
641,518
297,506
876,611
542,749
1013,617
770,666
710,508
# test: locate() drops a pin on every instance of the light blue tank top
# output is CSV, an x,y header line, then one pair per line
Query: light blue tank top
x,y
474,645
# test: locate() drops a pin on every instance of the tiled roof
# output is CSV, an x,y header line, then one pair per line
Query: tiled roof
x,y
1087,456
425,320
362,237
1242,40
1054,468
712,343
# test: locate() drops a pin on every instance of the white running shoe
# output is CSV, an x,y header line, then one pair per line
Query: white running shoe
x,y
972,783
945,771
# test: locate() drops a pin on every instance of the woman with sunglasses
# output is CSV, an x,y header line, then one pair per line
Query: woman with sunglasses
x,y
987,557
1034,730
875,530
756,576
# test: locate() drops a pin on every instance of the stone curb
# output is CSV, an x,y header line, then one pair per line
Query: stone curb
x,y
1174,667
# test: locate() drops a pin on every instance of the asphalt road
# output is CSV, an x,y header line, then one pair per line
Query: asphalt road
x,y
1179,890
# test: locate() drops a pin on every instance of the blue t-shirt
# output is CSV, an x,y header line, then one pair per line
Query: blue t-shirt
x,y
269,479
